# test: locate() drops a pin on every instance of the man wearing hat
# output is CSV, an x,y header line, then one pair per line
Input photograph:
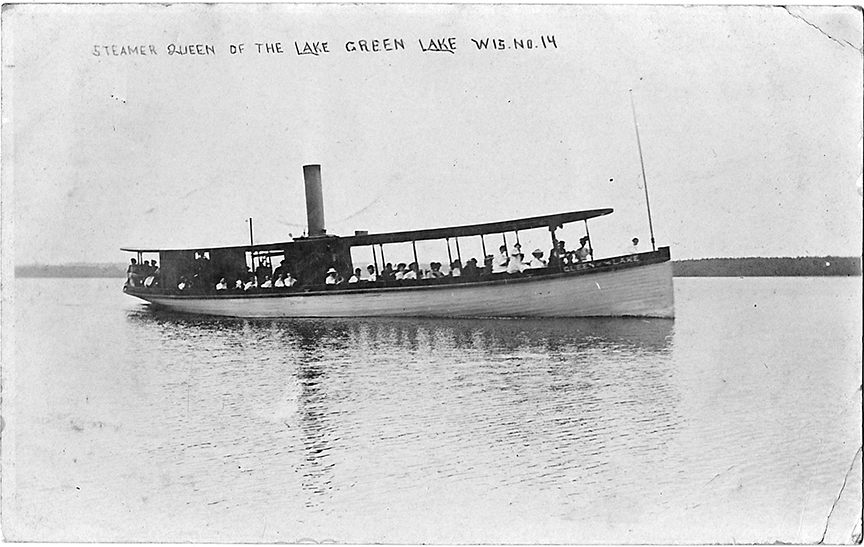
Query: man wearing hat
x,y
536,260
634,248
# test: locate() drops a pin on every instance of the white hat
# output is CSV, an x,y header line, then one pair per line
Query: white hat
x,y
536,252
332,270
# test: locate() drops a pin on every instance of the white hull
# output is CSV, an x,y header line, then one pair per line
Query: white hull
x,y
642,291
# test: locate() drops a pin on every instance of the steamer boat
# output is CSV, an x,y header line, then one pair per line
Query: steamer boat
x,y
635,284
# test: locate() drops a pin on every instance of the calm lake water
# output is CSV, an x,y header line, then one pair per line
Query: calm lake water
x,y
739,421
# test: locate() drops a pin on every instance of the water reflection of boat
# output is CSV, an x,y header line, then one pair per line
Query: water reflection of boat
x,y
310,399
638,284
492,336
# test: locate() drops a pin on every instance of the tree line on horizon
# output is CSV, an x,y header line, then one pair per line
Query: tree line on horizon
x,y
71,270
802,266
700,267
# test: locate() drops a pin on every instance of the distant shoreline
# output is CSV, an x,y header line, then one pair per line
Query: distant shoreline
x,y
843,266
809,266
71,270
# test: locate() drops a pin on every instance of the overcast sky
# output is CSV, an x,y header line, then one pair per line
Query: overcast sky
x,y
750,120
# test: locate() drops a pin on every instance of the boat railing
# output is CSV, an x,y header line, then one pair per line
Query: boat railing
x,y
605,264
362,284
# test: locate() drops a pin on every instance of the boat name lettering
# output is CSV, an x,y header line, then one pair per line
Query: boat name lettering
x,y
607,262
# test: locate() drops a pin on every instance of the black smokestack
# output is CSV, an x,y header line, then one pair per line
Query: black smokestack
x,y
314,200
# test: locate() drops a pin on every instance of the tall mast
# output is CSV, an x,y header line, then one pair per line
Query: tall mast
x,y
644,180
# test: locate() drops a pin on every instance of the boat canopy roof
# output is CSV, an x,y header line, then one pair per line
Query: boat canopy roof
x,y
478,229
550,221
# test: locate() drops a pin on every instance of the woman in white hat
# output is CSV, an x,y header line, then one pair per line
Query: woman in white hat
x,y
516,263
332,277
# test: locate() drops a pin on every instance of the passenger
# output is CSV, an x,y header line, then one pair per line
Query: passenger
x,y
370,269
238,285
487,264
515,264
132,273
634,248
553,262
262,272
435,270
222,285
152,280
387,274
470,269
582,253
400,271
332,277
356,277
282,269
197,265
184,284
251,283
562,257
501,261
413,272
280,280
268,283
290,281
537,260
456,269
204,273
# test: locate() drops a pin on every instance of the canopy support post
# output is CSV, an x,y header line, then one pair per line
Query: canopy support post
x,y
554,252
251,245
588,235
449,256
458,253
